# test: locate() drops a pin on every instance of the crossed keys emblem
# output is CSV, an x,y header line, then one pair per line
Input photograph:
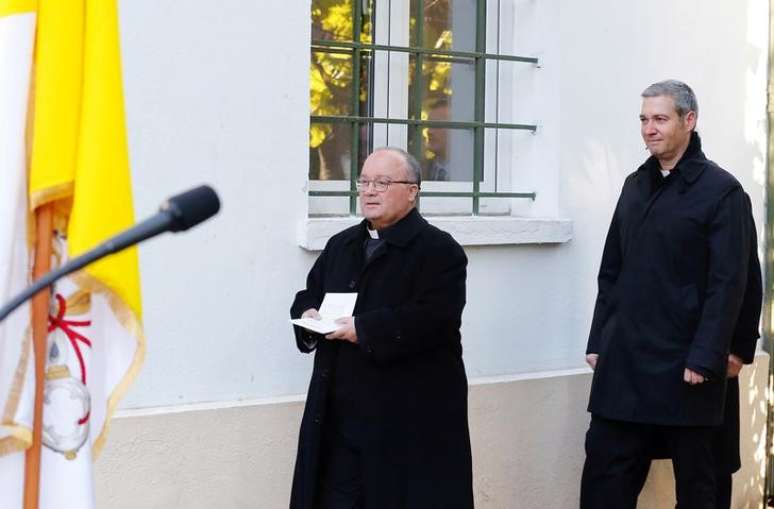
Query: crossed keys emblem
x,y
67,403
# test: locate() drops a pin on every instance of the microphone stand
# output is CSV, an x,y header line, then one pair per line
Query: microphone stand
x,y
179,213
152,226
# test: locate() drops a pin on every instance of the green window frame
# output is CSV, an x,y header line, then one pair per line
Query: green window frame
x,y
356,49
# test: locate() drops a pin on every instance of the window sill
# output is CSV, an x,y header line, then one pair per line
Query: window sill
x,y
468,231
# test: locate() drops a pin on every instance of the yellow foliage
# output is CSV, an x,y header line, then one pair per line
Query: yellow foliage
x,y
338,20
318,133
444,41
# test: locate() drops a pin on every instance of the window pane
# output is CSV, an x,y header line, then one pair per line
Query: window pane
x,y
509,164
391,22
447,89
366,95
493,25
330,83
328,206
446,24
366,143
332,20
444,205
390,85
444,154
389,135
330,151
511,92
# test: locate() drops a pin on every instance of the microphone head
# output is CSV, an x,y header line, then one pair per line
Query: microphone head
x,y
191,207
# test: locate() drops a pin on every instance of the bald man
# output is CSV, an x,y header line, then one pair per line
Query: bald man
x,y
385,424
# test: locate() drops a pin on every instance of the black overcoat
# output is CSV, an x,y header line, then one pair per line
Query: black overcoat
x,y
671,285
407,365
743,346
726,437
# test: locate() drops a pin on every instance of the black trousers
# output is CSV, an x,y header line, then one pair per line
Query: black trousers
x,y
618,456
723,483
348,479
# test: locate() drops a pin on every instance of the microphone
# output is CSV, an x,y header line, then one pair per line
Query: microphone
x,y
176,214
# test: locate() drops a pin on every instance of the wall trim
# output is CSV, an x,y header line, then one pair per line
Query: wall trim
x,y
313,233
298,398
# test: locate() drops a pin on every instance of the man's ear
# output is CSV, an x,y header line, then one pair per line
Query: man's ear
x,y
690,120
414,193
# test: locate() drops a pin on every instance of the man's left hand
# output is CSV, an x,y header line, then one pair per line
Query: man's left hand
x,y
734,366
692,377
346,332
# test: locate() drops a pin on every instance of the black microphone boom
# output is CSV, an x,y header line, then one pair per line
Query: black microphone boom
x,y
178,213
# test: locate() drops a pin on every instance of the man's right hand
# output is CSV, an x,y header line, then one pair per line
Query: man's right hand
x,y
591,360
735,364
311,313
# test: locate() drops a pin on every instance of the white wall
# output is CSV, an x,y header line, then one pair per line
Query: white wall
x,y
218,93
611,51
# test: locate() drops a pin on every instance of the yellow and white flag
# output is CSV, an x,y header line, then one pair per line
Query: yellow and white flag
x,y
63,142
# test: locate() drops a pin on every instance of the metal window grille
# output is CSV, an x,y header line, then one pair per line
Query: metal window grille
x,y
357,49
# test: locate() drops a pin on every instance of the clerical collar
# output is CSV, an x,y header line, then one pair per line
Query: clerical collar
x,y
665,173
373,233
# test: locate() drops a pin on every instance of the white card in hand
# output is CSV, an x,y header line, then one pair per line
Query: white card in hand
x,y
334,306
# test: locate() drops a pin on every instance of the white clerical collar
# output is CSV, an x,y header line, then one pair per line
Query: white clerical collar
x,y
665,173
373,233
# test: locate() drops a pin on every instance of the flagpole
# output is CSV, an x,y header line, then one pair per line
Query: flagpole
x,y
40,311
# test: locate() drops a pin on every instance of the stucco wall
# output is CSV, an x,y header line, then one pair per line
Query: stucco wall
x,y
527,438
219,95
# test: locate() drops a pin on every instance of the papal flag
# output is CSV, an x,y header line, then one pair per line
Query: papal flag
x,y
63,148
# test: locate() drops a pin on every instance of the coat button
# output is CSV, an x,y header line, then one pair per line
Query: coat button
x,y
324,374
352,284
317,419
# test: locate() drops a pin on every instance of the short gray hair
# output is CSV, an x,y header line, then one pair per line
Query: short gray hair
x,y
681,94
413,168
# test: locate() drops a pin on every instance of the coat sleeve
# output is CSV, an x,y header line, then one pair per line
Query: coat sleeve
x,y
430,319
746,332
609,269
310,297
729,256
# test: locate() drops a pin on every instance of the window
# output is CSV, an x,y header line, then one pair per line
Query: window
x,y
439,78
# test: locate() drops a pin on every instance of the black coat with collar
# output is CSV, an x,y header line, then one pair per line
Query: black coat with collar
x,y
726,437
671,286
405,380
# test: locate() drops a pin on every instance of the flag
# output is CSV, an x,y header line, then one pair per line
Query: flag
x,y
63,142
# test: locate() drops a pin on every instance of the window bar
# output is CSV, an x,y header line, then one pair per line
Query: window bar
x,y
497,100
443,194
418,62
478,131
453,124
344,46
357,20
389,58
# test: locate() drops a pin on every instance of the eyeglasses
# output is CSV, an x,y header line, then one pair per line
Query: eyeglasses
x,y
380,185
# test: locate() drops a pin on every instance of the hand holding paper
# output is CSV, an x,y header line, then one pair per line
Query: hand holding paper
x,y
346,330
334,305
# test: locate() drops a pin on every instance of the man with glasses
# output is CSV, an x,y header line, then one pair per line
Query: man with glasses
x,y
385,423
